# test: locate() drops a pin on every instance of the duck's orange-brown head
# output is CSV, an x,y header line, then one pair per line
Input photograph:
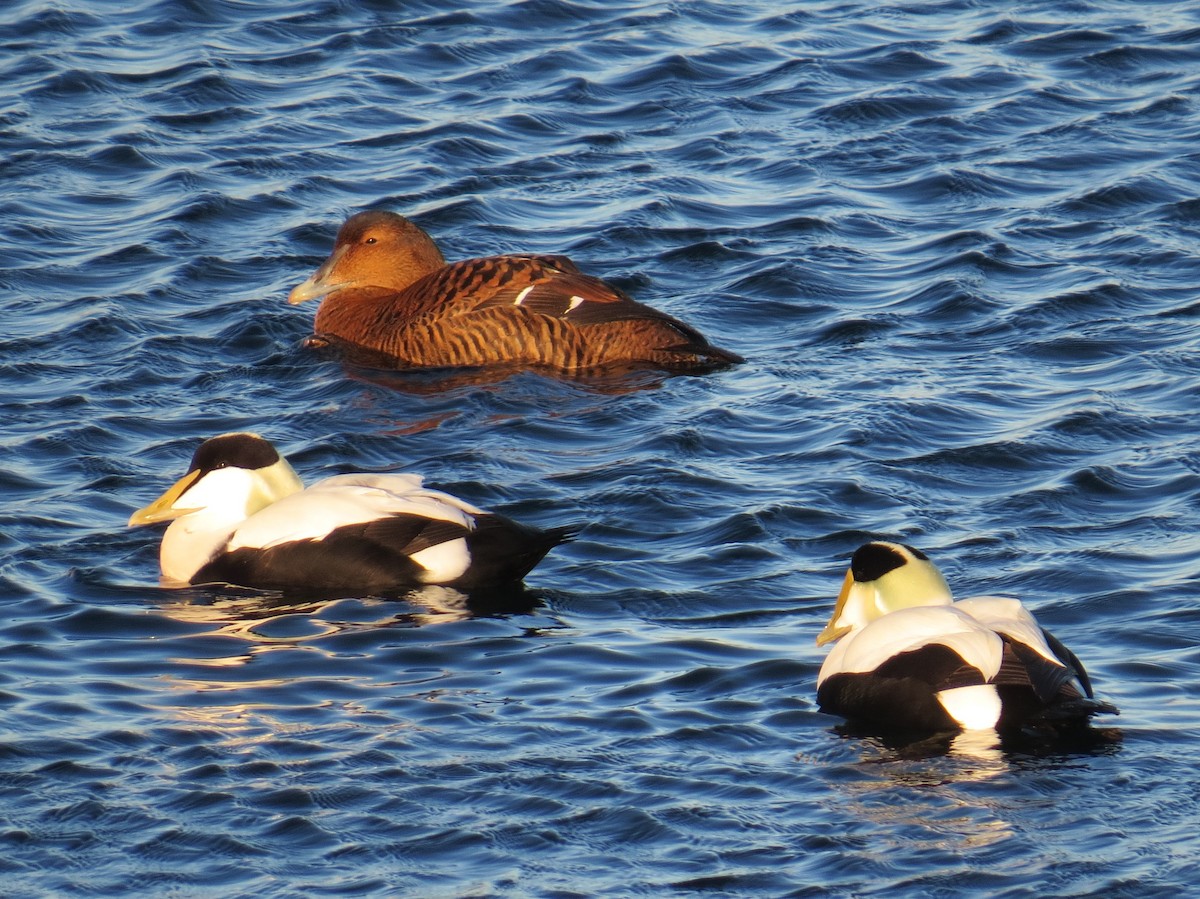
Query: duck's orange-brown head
x,y
373,249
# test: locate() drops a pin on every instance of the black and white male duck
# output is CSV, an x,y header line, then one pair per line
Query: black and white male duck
x,y
906,657
242,516
389,291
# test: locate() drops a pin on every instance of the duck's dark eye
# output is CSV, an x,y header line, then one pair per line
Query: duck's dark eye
x,y
371,240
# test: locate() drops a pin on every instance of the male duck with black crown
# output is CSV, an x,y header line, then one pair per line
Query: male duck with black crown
x,y
388,291
242,516
906,657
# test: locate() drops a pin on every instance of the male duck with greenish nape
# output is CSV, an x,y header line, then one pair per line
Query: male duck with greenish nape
x,y
906,657
241,516
388,289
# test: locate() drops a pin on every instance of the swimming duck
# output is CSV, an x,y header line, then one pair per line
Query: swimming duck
x,y
388,289
242,516
907,657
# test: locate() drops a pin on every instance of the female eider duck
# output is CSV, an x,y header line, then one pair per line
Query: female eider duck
x,y
388,290
241,516
908,658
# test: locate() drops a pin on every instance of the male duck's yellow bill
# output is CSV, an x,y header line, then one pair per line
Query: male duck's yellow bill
x,y
161,509
832,633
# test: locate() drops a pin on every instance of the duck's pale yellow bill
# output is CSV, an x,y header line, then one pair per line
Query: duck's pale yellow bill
x,y
160,509
832,633
317,285
309,290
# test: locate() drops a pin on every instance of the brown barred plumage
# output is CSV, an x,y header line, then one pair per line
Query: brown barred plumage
x,y
388,289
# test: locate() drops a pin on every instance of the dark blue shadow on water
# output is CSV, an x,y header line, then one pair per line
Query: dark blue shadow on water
x,y
1012,745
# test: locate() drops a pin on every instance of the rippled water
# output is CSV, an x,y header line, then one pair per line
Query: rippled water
x,y
957,243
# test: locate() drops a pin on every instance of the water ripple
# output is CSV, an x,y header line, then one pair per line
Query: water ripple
x,y
957,245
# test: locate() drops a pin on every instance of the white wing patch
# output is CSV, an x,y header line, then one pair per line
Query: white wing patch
x,y
576,302
345,500
443,562
975,708
912,628
522,295
1008,616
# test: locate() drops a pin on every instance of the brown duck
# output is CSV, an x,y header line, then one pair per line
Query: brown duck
x,y
388,289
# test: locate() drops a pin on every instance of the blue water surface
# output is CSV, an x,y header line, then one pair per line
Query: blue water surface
x,y
957,243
